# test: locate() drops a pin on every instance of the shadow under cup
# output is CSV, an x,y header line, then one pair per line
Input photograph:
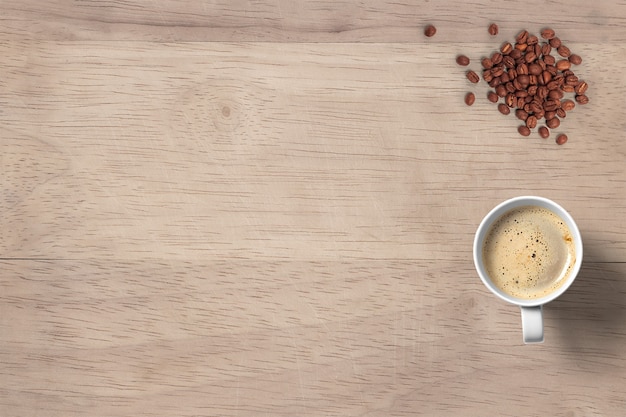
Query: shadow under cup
x,y
479,240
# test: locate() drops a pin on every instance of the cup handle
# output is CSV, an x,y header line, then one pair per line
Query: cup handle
x,y
532,324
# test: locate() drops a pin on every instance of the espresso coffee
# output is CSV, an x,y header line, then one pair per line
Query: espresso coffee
x,y
529,252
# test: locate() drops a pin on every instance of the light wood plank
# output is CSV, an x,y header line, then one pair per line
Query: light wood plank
x,y
308,21
320,151
288,337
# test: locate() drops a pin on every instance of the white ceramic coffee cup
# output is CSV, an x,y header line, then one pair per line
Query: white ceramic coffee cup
x,y
532,310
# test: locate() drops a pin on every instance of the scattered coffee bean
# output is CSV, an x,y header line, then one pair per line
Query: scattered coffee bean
x,y
563,65
492,96
555,42
582,99
523,130
561,139
506,48
504,109
462,60
581,87
470,98
563,51
553,123
568,105
472,76
531,122
575,59
430,31
547,33
544,132
493,29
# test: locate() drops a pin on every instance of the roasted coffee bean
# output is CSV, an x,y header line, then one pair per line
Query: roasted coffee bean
x,y
549,59
561,139
546,77
430,31
531,122
563,65
496,81
532,90
534,69
470,98
521,37
486,63
472,76
521,46
555,94
505,77
541,64
522,69
487,76
535,107
582,99
493,29
551,105
504,109
510,87
555,42
510,100
552,85
524,80
581,87
550,115
516,54
523,130
567,88
568,105
508,62
575,59
497,71
563,51
496,58
532,40
492,96
544,132
501,90
547,33
521,114
571,80
546,49
506,48
561,113
553,123
530,57
462,60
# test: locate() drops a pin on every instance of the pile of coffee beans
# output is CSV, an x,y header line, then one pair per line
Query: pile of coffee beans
x,y
530,82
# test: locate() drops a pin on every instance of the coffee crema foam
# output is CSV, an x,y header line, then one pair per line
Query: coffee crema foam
x,y
529,252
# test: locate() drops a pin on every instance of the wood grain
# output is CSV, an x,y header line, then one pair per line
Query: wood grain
x,y
308,21
237,337
267,209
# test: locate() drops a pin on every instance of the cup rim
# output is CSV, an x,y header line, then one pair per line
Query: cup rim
x,y
498,211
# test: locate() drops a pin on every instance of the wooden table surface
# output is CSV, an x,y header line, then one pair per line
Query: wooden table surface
x,y
235,208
